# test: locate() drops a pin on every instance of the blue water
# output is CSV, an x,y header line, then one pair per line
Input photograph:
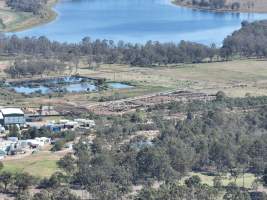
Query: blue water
x,y
119,86
80,87
65,84
70,88
138,21
30,90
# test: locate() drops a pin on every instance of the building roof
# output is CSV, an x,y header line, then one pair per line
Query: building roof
x,y
10,111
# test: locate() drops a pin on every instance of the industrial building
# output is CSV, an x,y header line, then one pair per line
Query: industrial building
x,y
9,116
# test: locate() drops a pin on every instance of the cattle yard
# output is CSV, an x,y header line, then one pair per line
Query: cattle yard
x,y
120,107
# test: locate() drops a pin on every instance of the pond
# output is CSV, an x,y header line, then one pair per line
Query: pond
x,y
64,85
138,21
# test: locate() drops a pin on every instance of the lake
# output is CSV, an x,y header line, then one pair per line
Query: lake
x,y
138,21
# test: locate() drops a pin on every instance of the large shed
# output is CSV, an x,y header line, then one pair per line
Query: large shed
x,y
12,116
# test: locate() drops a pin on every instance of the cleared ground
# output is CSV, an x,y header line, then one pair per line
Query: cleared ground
x,y
40,164
247,180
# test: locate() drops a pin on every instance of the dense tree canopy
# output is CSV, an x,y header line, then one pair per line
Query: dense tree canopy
x,y
24,68
249,41
215,141
34,6
104,51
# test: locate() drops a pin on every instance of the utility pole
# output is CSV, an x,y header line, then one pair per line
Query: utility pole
x,y
243,177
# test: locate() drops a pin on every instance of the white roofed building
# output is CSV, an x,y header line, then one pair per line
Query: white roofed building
x,y
12,111
11,116
85,122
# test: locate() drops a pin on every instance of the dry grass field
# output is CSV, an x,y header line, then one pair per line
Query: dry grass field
x,y
40,164
236,78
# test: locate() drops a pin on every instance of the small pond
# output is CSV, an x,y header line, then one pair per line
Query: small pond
x,y
119,85
69,84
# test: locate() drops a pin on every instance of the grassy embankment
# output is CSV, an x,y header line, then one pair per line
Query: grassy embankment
x,y
12,21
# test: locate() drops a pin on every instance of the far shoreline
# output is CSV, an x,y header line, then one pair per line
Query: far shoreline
x,y
35,21
217,10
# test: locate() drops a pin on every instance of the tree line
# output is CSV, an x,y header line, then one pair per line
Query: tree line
x,y
212,4
107,51
248,42
18,185
36,7
23,68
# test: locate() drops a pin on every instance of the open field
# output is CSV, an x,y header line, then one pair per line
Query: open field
x,y
16,21
236,78
41,164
